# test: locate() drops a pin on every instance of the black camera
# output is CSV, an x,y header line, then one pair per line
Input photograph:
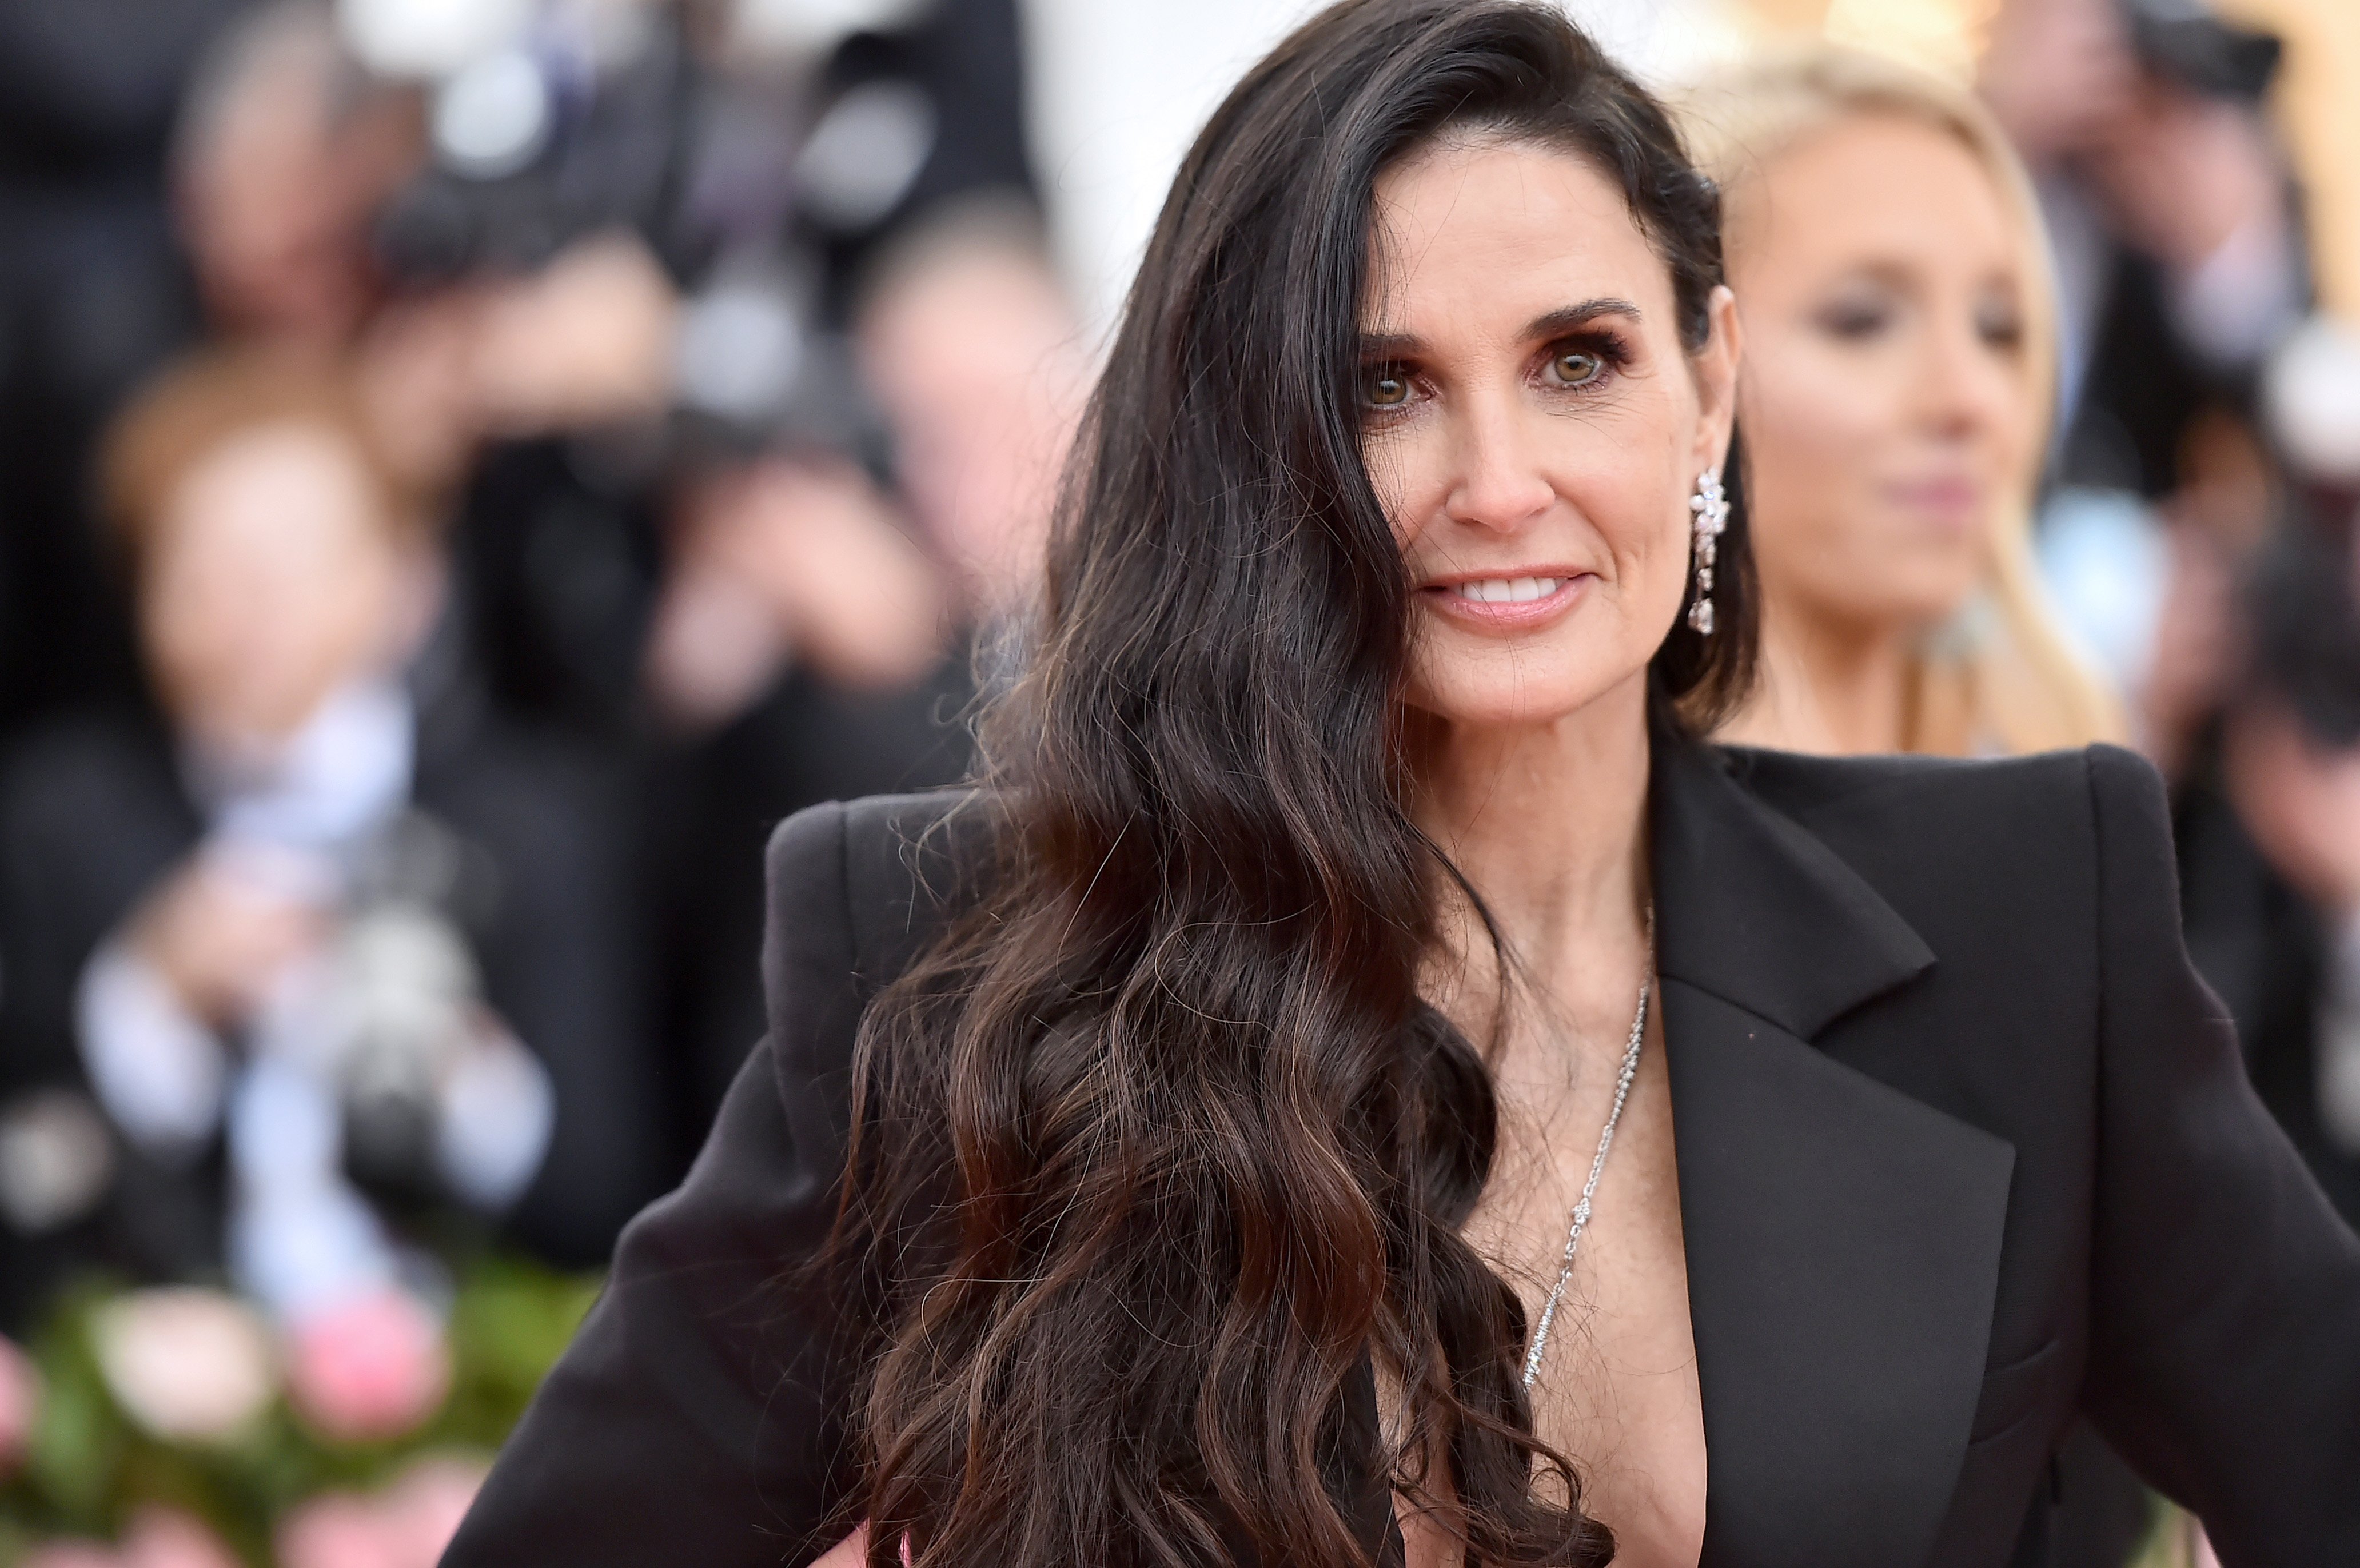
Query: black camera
x,y
2183,41
535,156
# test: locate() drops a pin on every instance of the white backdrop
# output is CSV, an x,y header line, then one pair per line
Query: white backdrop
x,y
1118,89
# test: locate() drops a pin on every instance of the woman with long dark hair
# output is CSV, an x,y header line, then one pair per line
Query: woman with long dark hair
x,y
1358,1081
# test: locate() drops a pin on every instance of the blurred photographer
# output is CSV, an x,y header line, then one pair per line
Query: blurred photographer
x,y
2179,251
2272,884
818,639
330,945
759,158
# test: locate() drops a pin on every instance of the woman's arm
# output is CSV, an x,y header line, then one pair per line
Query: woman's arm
x,y
697,1416
2224,1357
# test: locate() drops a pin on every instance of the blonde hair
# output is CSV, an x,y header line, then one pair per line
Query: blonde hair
x,y
2001,676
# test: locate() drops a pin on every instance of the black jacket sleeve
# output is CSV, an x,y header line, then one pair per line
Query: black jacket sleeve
x,y
2224,1358
698,1416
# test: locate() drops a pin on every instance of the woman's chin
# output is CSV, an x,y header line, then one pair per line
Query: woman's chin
x,y
1489,703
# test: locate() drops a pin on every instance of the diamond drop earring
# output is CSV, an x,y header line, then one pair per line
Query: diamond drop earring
x,y
1711,509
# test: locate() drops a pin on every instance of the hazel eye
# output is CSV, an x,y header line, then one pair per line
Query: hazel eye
x,y
1385,386
1576,368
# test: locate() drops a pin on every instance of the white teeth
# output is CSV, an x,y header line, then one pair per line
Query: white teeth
x,y
1509,590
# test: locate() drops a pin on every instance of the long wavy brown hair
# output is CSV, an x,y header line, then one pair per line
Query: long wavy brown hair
x,y
1157,1152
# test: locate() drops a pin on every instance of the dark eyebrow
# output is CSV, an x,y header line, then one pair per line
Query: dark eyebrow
x,y
1555,324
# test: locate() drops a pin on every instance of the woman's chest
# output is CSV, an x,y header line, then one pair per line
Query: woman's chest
x,y
1616,1388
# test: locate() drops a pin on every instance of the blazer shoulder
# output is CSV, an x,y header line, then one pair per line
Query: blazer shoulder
x,y
2046,824
888,871
1964,800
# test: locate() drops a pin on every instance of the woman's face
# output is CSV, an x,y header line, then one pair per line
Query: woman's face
x,y
1534,427
1887,399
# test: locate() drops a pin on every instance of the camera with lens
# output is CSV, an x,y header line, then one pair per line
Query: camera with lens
x,y
2184,41
746,164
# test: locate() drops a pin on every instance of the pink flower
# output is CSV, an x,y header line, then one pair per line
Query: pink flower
x,y
425,1505
166,1538
373,1368
338,1530
189,1365
406,1526
158,1538
20,1406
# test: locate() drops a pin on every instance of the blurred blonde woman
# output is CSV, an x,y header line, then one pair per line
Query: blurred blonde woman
x,y
1892,280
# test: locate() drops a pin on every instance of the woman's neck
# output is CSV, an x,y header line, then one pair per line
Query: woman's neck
x,y
1833,689
1547,822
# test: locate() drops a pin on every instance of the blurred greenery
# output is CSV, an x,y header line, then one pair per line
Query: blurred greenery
x,y
89,1466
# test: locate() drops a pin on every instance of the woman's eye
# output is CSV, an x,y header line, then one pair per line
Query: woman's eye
x,y
1385,387
1851,321
2000,327
1576,368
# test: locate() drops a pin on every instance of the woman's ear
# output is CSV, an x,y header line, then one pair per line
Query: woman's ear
x,y
1715,367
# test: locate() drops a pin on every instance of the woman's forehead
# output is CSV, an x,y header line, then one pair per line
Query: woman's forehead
x,y
1875,183
1486,229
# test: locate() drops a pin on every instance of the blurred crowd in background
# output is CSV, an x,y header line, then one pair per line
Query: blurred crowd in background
x,y
469,468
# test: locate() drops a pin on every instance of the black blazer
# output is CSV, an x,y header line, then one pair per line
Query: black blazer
x,y
1965,1149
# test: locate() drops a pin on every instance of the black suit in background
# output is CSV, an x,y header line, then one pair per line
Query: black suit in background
x,y
93,295
806,741
92,813
2265,952
1966,1151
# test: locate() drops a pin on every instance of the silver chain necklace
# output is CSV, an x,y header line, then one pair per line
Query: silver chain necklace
x,y
1597,1165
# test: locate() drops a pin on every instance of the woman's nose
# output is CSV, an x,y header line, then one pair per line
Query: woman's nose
x,y
1965,386
1499,484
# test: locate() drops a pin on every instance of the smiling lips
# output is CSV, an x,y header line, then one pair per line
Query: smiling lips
x,y
1518,603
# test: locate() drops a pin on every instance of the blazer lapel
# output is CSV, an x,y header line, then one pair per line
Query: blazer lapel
x,y
1842,1238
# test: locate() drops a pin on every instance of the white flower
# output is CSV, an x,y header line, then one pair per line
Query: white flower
x,y
187,1365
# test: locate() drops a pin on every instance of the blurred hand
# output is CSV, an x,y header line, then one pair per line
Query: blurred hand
x,y
2188,666
793,557
2300,802
586,341
220,941
2055,73
415,371
2180,173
